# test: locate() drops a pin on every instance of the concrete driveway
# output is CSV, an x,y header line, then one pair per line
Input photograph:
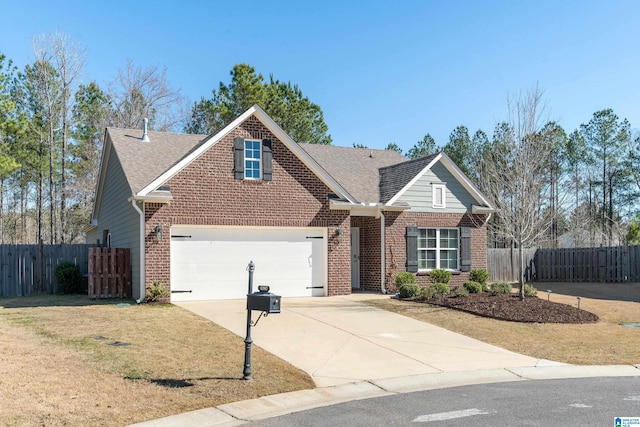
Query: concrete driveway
x,y
338,340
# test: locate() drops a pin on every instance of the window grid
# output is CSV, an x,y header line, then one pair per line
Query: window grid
x,y
438,248
252,159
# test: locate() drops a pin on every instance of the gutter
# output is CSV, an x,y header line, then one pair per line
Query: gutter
x,y
383,252
142,260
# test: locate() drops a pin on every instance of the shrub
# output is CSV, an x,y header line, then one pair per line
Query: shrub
x,y
440,276
407,290
156,291
479,275
440,288
461,291
473,287
500,288
69,278
530,291
425,293
405,277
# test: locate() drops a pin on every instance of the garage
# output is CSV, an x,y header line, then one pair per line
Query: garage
x,y
211,262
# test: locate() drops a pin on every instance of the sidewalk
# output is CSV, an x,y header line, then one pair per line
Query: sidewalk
x,y
354,351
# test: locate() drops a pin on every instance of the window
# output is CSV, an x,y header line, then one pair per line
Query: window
x,y
438,248
252,159
439,196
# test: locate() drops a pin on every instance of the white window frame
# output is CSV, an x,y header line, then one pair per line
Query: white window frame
x,y
442,190
252,159
438,249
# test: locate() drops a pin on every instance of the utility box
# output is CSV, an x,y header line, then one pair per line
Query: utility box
x,y
264,301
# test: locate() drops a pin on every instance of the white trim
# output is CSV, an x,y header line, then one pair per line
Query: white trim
x,y
252,159
104,161
435,189
414,180
277,132
141,250
437,249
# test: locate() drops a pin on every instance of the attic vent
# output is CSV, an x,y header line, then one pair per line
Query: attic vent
x,y
145,136
164,188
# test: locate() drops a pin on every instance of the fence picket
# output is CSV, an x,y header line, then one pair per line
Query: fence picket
x,y
603,264
29,269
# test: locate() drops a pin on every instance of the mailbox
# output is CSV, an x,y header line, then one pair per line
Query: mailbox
x,y
263,300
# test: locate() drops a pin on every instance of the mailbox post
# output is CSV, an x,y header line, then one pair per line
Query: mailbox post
x,y
263,301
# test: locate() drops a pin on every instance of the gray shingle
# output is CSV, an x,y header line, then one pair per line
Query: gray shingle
x,y
145,161
393,178
355,169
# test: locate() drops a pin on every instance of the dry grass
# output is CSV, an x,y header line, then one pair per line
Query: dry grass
x,y
603,343
56,367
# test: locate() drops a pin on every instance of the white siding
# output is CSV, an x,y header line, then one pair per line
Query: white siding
x,y
419,196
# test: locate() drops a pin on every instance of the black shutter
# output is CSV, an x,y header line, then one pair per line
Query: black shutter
x,y
465,249
412,249
267,160
238,158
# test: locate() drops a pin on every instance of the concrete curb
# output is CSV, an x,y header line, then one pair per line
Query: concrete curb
x,y
238,413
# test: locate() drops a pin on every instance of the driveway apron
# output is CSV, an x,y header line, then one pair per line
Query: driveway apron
x,y
338,340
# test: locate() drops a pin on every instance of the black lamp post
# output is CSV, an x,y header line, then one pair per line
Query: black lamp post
x,y
247,341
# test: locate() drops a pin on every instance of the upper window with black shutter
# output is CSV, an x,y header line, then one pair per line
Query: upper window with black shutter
x,y
252,159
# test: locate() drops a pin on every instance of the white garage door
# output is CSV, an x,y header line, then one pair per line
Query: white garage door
x,y
211,262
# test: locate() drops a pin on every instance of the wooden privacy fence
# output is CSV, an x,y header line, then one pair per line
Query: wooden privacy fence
x,y
109,273
502,264
29,269
604,264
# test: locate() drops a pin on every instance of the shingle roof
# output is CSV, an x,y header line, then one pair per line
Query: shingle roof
x,y
144,161
356,169
393,178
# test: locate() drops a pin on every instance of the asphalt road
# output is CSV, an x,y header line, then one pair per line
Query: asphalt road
x,y
573,402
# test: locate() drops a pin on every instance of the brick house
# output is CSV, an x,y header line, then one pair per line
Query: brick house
x,y
316,220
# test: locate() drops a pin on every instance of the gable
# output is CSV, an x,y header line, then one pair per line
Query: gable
x,y
461,195
419,196
258,114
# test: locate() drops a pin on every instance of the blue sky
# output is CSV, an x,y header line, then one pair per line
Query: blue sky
x,y
381,71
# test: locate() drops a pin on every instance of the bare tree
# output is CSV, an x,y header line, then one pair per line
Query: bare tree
x,y
138,92
67,60
513,171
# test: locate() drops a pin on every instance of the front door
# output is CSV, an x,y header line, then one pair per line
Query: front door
x,y
355,258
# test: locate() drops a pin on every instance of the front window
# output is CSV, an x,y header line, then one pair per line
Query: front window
x,y
252,159
438,248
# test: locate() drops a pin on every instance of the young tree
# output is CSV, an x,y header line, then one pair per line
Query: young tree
x,y
512,174
425,147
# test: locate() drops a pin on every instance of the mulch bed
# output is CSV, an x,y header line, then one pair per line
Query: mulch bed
x,y
509,307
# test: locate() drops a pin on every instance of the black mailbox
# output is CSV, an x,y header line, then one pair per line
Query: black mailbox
x,y
263,301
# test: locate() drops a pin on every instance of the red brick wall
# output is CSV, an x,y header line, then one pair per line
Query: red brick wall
x,y
396,254
206,193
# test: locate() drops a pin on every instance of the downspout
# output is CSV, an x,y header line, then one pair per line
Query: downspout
x,y
142,272
382,253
